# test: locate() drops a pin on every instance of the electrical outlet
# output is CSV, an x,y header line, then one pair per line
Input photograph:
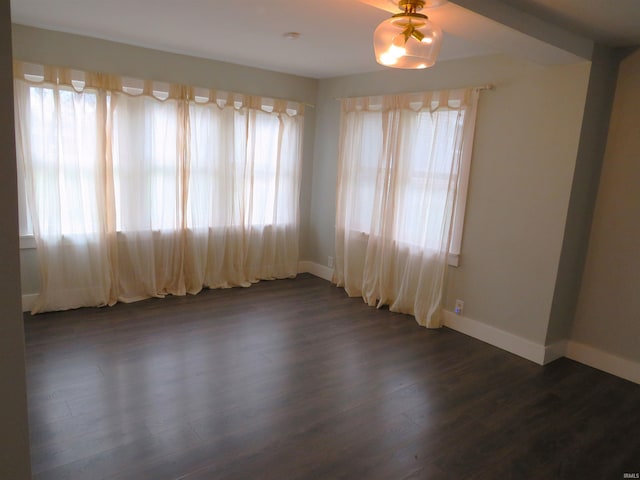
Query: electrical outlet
x,y
330,262
459,307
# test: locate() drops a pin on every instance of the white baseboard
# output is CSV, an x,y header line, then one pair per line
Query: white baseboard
x,y
315,269
28,301
555,351
607,362
541,354
496,337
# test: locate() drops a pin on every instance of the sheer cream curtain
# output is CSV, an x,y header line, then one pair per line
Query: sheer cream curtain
x,y
399,164
147,166
61,141
252,233
139,189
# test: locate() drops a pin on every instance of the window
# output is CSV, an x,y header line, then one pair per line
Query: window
x,y
257,186
425,183
239,172
62,148
420,172
146,164
138,189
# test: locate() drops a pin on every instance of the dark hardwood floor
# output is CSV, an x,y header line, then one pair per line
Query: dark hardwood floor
x,y
291,379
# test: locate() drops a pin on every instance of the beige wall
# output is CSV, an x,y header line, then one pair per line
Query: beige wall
x,y
586,177
55,48
524,157
608,312
14,437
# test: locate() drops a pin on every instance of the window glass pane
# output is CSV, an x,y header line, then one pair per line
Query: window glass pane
x,y
241,166
365,144
214,185
64,159
146,164
260,197
419,169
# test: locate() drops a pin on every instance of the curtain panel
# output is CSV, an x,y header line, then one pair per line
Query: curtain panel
x,y
139,189
400,159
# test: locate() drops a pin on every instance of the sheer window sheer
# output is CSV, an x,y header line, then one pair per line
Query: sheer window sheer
x,y
242,216
400,162
133,196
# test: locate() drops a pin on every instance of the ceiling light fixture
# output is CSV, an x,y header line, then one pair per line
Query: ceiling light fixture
x,y
408,39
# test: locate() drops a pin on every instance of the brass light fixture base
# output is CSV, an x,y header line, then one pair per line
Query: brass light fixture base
x,y
411,6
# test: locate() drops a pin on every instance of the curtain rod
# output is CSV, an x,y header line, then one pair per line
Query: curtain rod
x,y
488,86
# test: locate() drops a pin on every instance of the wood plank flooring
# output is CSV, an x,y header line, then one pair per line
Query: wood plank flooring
x,y
290,379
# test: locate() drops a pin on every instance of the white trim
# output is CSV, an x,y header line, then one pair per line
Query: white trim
x,y
28,301
27,242
542,355
315,269
466,147
607,362
496,337
555,351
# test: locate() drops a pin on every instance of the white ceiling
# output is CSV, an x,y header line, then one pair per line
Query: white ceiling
x,y
336,35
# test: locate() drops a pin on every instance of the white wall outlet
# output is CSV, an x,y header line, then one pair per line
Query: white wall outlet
x,y
459,307
330,262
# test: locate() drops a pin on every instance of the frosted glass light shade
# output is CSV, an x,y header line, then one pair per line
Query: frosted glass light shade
x,y
407,41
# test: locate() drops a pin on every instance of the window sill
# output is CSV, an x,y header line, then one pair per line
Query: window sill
x,y
27,242
453,259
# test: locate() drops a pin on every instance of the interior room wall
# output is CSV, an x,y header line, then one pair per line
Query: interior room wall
x,y
523,162
14,435
586,177
56,48
608,312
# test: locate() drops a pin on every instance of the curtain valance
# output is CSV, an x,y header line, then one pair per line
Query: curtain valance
x,y
422,101
80,80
